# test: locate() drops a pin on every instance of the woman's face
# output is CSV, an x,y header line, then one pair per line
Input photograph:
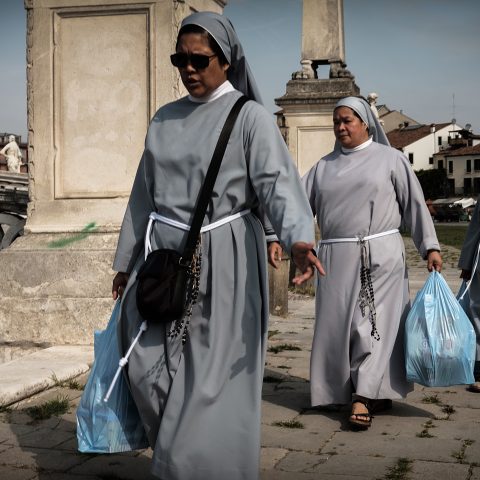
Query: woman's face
x,y
349,130
200,82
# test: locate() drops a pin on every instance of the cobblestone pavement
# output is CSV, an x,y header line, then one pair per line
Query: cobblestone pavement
x,y
433,434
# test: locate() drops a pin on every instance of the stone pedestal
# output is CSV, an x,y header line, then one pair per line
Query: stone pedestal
x,y
278,278
305,118
97,70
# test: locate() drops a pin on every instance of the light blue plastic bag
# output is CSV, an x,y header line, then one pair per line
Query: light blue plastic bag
x,y
439,338
115,425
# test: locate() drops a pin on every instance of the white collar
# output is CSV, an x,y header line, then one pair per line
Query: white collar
x,y
224,88
358,147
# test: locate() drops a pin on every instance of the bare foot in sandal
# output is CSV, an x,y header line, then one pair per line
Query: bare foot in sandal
x,y
360,417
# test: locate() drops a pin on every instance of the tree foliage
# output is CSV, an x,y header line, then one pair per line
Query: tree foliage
x,y
434,183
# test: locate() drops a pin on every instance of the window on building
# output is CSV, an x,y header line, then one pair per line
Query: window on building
x,y
440,164
410,158
451,187
476,186
468,166
430,160
467,186
476,164
450,166
439,141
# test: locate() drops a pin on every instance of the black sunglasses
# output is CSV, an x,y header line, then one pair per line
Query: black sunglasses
x,y
196,60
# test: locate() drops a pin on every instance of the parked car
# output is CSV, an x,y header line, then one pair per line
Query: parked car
x,y
444,213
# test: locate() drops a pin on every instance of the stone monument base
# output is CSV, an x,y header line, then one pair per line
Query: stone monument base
x,y
56,288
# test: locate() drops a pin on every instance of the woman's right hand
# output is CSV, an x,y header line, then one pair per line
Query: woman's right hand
x,y
275,253
306,260
119,283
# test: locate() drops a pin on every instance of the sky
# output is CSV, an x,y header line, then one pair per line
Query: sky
x,y
419,56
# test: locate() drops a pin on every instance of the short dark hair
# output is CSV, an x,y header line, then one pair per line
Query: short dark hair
x,y
192,28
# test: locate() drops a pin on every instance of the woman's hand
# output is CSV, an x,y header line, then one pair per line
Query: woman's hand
x,y
304,257
119,283
434,261
275,253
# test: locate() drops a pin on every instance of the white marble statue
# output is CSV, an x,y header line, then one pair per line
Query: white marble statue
x,y
372,100
14,156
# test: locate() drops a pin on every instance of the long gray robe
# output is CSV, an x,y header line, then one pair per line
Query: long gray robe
x,y
466,262
363,193
203,420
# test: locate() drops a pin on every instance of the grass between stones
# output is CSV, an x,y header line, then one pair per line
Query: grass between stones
x,y
431,399
460,455
283,347
71,383
400,470
425,433
46,410
289,424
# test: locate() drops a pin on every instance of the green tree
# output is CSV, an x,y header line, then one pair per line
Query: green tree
x,y
434,183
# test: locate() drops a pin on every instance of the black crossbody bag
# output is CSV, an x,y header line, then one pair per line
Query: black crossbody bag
x,y
168,280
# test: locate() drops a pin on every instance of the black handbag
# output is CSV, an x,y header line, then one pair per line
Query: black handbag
x,y
168,281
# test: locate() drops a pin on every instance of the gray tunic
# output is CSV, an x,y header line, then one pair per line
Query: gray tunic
x,y
466,262
201,404
363,193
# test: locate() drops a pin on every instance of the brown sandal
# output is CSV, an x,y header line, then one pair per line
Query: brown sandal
x,y
362,421
474,387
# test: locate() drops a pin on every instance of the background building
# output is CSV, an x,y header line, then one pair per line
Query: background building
x,y
420,142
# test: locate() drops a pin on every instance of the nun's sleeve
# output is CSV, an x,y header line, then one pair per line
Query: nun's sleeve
x,y
309,184
275,178
132,234
414,209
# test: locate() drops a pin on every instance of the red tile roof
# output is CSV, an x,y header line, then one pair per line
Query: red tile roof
x,y
401,137
454,152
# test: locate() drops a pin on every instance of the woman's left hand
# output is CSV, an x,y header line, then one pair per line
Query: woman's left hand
x,y
434,261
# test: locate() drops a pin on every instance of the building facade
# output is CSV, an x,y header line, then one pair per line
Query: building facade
x,y
461,160
421,142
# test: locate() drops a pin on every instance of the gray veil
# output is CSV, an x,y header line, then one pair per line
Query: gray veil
x,y
221,29
362,107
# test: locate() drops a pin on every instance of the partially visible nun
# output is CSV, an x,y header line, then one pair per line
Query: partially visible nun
x,y
360,194
200,401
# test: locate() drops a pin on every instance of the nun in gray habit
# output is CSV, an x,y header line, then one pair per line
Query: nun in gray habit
x,y
200,402
360,193
469,263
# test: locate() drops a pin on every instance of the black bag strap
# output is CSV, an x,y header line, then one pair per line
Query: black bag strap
x,y
207,187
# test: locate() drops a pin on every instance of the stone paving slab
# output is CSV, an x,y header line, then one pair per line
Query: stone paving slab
x,y
33,373
436,444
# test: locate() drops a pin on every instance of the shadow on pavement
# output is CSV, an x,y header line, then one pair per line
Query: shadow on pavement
x,y
48,448
293,393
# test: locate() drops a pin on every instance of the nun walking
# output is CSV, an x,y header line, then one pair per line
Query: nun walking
x,y
200,400
361,193
469,263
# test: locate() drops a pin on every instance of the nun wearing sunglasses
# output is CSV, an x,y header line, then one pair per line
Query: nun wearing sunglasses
x,y
200,401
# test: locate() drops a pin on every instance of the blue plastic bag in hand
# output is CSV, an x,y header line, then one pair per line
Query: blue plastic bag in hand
x,y
439,338
115,425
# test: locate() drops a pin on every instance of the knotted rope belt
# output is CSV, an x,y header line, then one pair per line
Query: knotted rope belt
x,y
366,296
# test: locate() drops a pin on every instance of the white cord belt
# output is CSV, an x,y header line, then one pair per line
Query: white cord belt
x,y
358,238
154,216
